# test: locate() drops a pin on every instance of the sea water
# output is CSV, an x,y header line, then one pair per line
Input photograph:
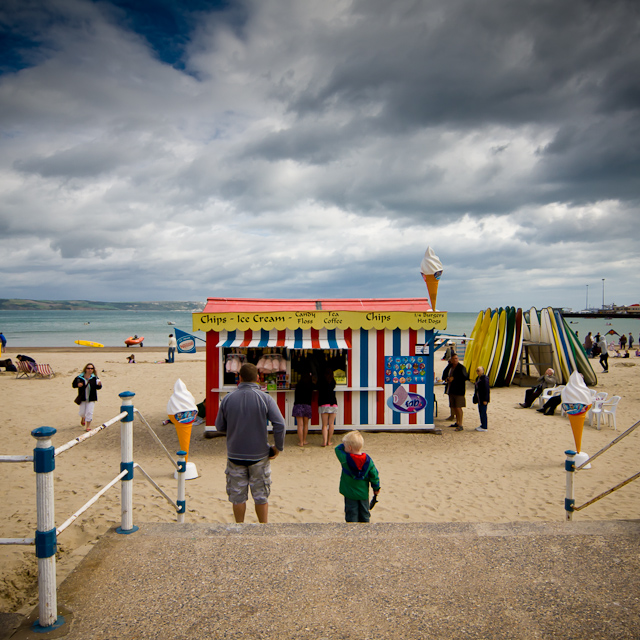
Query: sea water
x,y
112,328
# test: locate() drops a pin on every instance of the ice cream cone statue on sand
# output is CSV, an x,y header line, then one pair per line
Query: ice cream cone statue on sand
x,y
431,269
576,401
182,411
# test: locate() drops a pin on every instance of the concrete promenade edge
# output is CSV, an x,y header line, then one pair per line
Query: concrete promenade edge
x,y
515,580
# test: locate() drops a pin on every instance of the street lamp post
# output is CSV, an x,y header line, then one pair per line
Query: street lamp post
x,y
587,306
603,293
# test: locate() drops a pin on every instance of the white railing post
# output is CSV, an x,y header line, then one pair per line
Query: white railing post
x,y
126,464
570,468
182,472
46,539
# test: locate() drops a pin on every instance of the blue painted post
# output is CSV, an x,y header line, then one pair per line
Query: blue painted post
x,y
429,375
182,469
126,464
46,539
570,468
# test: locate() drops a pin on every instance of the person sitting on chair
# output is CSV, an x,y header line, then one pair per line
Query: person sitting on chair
x,y
550,406
543,382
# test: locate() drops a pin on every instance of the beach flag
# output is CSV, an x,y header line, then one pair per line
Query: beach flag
x,y
186,342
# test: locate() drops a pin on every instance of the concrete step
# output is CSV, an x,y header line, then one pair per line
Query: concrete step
x,y
357,581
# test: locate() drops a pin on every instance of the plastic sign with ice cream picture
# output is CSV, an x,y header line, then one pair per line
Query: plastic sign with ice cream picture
x,y
404,401
576,402
182,412
431,269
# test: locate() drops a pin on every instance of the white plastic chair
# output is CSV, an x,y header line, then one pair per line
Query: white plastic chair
x,y
607,409
598,397
549,392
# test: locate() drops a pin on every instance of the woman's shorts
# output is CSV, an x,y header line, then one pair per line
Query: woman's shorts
x,y
328,408
301,411
457,402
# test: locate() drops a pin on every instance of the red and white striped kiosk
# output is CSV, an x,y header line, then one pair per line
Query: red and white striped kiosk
x,y
381,352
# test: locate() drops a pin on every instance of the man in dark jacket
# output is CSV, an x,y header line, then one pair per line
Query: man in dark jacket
x,y
243,416
455,375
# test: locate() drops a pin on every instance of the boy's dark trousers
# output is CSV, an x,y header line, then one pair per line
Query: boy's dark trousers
x,y
356,510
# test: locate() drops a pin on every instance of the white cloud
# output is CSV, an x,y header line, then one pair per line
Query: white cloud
x,y
314,149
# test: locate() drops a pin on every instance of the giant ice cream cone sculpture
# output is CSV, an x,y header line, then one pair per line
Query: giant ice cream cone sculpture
x,y
182,411
431,269
576,401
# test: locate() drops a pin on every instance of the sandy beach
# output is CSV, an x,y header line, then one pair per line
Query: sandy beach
x,y
515,472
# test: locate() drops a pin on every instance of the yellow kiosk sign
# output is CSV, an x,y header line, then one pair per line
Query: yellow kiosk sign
x,y
268,320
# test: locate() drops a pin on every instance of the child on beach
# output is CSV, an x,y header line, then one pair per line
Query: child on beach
x,y
358,471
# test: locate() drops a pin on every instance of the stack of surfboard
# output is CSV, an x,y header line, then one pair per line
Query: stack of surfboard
x,y
496,345
564,353
498,336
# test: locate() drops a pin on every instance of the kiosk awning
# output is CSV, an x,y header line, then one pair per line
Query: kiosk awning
x,y
289,338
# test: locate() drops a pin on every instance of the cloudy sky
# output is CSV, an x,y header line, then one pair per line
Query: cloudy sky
x,y
174,150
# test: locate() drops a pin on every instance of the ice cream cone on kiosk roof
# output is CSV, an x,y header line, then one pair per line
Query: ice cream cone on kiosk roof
x,y
431,269
182,411
576,401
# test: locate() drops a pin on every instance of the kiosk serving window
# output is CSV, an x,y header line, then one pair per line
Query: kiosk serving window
x,y
281,368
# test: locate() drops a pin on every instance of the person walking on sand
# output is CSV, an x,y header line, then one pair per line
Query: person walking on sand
x,y
172,348
604,354
243,416
358,472
481,397
87,384
630,341
623,341
327,405
455,375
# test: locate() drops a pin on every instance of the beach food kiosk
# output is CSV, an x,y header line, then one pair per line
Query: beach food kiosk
x,y
380,351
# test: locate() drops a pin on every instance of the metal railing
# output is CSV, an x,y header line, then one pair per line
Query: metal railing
x,y
46,534
571,469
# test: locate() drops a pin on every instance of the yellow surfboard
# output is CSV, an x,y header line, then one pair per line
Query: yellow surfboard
x,y
477,344
88,343
489,344
494,366
468,355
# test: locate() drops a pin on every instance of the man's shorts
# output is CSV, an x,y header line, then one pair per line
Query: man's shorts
x,y
457,402
240,478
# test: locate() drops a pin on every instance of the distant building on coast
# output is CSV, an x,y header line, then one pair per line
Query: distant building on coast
x,y
608,311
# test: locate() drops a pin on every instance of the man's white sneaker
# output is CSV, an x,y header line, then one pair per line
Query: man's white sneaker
x,y
481,429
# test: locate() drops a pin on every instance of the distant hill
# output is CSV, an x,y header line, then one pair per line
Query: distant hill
x,y
16,304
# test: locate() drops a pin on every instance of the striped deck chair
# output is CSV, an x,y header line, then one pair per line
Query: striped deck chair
x,y
24,370
43,371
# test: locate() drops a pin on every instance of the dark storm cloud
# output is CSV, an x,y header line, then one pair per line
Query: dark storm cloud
x,y
302,148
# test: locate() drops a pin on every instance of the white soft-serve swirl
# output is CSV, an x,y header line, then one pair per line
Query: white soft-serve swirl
x,y
181,400
576,391
430,263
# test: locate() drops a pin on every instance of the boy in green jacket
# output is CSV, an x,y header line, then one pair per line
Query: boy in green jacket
x,y
358,471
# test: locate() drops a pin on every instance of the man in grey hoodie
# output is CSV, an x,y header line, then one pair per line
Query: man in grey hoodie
x,y
604,354
243,416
